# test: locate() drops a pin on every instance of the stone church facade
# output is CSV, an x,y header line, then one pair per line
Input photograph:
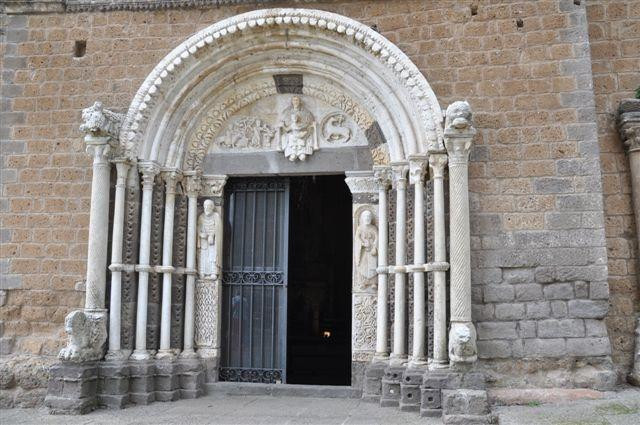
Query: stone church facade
x,y
481,233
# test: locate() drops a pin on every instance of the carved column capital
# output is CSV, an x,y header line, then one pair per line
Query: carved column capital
x,y
122,171
400,170
99,148
193,184
171,177
437,162
213,185
417,168
629,124
361,182
149,171
382,175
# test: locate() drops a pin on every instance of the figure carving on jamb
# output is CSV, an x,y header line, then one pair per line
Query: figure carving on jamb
x,y
298,131
366,250
209,226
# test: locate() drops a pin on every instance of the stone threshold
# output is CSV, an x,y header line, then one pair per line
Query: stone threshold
x,y
283,390
527,396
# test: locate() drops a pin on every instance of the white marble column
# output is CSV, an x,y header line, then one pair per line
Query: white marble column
x,y
193,187
399,353
115,305
417,174
458,135
98,224
170,179
440,359
383,180
149,171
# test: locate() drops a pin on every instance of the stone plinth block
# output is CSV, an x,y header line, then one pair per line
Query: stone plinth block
x,y
373,381
113,384
142,382
72,388
452,380
191,378
167,381
410,390
390,396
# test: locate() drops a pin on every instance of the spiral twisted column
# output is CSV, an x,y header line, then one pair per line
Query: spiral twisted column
x,y
458,136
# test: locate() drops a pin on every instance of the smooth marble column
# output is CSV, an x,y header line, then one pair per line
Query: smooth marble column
x,y
149,171
170,178
417,174
98,224
193,187
383,180
115,305
462,332
440,359
399,353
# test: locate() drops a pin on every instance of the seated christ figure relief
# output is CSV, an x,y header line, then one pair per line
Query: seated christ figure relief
x,y
297,130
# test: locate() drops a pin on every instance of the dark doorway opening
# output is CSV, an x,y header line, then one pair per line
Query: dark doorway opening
x,y
319,291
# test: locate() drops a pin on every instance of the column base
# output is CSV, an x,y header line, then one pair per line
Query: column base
x,y
167,354
141,355
117,355
188,354
390,396
167,379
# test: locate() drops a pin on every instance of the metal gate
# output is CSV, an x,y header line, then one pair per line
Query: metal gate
x,y
254,280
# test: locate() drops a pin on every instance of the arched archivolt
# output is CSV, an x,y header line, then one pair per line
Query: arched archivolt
x,y
234,60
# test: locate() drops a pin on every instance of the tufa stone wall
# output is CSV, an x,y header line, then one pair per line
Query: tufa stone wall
x,y
614,34
538,225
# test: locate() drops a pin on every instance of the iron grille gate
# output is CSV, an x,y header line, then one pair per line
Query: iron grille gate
x,y
254,280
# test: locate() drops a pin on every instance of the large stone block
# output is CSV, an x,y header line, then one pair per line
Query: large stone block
x,y
464,402
391,394
66,406
553,328
588,309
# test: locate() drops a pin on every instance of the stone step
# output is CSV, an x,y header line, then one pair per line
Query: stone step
x,y
287,390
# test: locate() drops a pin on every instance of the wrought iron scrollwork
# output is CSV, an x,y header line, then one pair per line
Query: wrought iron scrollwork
x,y
264,376
253,278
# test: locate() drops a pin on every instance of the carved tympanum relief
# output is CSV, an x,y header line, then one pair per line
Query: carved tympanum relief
x,y
366,241
295,124
209,225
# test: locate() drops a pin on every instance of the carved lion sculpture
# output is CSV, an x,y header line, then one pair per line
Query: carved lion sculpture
x,y
461,346
86,338
93,118
458,116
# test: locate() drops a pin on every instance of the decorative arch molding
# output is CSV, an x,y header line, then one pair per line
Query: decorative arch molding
x,y
371,72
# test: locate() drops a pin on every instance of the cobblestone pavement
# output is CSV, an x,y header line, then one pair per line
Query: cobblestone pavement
x,y
225,409
616,408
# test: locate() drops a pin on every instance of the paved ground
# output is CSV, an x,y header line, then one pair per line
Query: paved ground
x,y
225,409
619,408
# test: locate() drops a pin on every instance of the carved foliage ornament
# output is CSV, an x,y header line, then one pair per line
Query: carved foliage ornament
x,y
364,323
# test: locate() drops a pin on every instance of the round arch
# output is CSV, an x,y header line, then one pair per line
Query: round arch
x,y
188,96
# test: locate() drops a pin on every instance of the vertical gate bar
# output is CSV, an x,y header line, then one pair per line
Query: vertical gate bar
x,y
285,261
253,267
264,231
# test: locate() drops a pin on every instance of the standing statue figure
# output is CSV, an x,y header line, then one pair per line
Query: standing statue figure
x,y
366,250
298,135
209,227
